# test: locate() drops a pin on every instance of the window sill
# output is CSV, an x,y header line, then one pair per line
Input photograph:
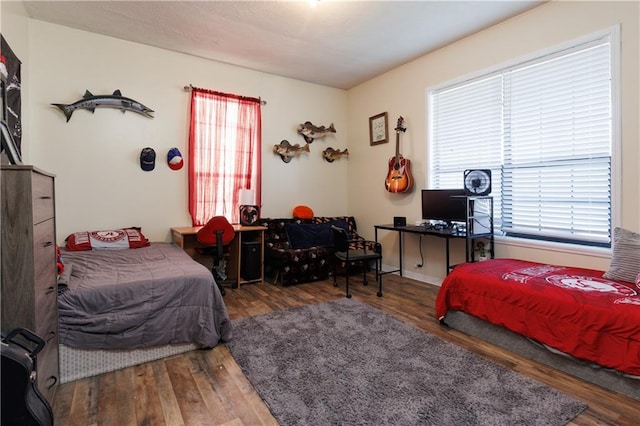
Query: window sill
x,y
599,252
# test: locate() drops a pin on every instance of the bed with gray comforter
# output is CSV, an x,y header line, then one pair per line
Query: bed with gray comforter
x,y
139,298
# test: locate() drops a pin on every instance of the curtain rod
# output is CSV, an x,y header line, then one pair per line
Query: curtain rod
x,y
190,88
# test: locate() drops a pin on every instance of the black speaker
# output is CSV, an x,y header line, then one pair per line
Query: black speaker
x,y
250,262
399,221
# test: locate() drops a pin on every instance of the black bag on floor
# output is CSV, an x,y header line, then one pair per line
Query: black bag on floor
x,y
22,402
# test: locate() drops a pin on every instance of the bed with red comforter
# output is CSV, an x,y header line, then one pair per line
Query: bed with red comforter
x,y
573,310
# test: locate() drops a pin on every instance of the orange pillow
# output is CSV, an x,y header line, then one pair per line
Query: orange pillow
x,y
302,212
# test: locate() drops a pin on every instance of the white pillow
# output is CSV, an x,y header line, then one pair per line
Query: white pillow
x,y
625,261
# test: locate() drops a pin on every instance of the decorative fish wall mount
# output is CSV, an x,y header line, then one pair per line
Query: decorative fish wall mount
x,y
286,151
310,132
116,101
332,155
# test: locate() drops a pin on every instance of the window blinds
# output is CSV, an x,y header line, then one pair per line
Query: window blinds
x,y
544,127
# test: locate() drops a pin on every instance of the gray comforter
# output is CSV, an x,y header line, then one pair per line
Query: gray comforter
x,y
136,298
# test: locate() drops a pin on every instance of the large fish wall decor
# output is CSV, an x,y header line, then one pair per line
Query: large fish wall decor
x,y
116,101
310,132
332,155
286,151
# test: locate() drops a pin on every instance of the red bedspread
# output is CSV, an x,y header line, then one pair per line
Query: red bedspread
x,y
574,310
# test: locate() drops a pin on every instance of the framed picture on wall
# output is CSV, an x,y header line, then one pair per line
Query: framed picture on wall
x,y
3,101
8,145
11,95
379,129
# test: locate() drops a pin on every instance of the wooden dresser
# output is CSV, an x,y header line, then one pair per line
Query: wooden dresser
x,y
29,289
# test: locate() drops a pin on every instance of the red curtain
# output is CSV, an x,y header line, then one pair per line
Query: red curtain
x,y
224,153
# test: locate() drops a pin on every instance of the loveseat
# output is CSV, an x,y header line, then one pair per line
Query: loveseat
x,y
301,250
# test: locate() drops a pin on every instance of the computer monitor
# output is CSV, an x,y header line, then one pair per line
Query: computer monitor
x,y
448,205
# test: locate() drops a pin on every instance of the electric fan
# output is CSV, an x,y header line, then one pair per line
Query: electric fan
x,y
477,182
249,214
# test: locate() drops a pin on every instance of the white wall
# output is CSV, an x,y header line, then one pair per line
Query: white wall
x,y
99,183
95,157
402,91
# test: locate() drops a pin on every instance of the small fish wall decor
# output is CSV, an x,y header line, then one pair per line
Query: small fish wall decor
x,y
310,132
286,151
332,155
90,102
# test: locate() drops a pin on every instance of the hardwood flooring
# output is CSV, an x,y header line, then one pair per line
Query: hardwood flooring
x,y
207,387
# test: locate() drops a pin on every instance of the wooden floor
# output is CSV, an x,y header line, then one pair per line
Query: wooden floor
x,y
207,387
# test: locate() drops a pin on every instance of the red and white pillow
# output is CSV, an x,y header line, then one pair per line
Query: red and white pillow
x,y
115,239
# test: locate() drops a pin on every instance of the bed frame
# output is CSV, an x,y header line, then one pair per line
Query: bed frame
x,y
500,336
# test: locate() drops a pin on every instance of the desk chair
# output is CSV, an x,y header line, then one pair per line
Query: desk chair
x,y
215,237
349,253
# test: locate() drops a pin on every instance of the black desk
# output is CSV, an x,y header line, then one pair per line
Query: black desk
x,y
447,234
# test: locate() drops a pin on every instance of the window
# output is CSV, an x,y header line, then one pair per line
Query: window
x,y
545,129
224,153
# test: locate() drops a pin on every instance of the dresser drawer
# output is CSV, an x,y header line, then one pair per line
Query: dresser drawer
x,y
46,316
47,320
48,371
44,254
42,195
46,313
45,284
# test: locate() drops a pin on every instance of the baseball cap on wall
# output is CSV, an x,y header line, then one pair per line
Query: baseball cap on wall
x,y
174,159
147,159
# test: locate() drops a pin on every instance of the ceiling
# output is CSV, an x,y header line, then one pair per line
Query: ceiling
x,y
336,43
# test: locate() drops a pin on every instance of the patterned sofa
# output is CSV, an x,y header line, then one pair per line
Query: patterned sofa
x,y
300,250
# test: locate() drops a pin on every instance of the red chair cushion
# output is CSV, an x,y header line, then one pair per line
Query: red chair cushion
x,y
207,234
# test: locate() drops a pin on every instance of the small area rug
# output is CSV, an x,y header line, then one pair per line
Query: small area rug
x,y
345,362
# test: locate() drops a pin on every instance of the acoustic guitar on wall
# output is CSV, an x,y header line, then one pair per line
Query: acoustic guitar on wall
x,y
399,177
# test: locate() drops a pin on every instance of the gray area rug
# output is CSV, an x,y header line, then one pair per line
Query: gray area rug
x,y
344,362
